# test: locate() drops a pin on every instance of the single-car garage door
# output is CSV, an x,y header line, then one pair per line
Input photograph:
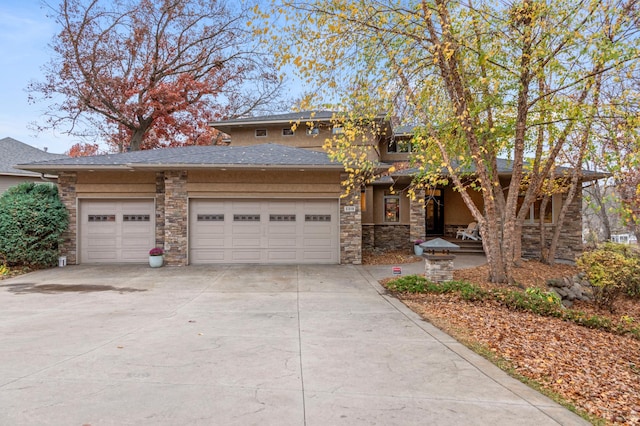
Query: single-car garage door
x,y
114,231
263,231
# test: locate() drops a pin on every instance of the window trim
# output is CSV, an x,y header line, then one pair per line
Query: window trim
x,y
286,130
384,209
261,135
531,216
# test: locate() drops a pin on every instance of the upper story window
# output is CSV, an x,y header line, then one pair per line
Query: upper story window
x,y
287,132
399,146
261,133
337,130
313,131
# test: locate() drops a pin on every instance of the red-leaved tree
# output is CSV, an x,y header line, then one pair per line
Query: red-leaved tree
x,y
144,74
83,149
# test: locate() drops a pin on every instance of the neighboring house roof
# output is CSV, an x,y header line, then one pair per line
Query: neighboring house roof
x,y
14,152
190,157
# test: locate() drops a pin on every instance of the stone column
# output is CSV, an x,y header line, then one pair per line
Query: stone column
x,y
67,191
438,268
350,228
160,218
417,230
175,217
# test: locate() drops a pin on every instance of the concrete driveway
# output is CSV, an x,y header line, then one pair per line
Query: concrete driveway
x,y
239,345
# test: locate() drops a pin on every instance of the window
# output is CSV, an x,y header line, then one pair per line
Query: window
x,y
261,133
101,218
392,209
136,218
282,218
399,146
312,131
246,218
337,130
534,211
287,132
210,218
317,218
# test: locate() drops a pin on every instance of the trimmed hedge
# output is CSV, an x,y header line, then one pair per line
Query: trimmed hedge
x,y
32,220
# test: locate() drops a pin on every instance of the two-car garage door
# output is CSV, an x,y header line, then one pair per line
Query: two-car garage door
x,y
263,231
220,231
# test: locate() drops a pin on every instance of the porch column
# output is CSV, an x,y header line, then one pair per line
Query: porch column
x,y
417,228
67,191
175,216
350,228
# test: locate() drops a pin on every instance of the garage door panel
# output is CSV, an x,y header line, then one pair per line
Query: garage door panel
x,y
205,256
114,231
246,256
282,256
266,231
317,256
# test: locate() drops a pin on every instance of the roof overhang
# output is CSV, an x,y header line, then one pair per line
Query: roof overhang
x,y
162,167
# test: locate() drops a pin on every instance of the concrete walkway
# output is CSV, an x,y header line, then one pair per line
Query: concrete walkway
x,y
239,345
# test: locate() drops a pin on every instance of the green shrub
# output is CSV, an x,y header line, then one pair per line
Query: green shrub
x,y
32,219
408,284
613,270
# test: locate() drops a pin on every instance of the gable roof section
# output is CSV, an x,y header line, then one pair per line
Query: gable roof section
x,y
14,152
193,157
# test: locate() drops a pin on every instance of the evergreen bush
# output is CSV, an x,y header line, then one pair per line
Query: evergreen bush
x,y
32,220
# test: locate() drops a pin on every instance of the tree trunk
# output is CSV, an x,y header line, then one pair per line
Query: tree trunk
x,y
544,250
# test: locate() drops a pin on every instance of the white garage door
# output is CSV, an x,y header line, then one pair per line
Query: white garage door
x,y
263,231
114,231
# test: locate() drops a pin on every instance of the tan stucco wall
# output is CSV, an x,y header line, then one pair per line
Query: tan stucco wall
x,y
379,193
116,184
272,183
455,210
367,212
228,183
246,137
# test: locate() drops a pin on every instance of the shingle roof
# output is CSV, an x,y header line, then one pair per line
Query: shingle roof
x,y
505,167
278,118
195,157
14,152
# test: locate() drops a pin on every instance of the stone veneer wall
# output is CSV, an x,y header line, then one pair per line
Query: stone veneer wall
x,y
570,242
386,237
160,220
67,190
368,237
175,209
392,237
350,229
417,217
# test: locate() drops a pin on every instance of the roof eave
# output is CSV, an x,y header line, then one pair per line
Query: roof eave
x,y
160,167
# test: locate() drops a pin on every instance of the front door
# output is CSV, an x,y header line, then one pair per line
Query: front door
x,y
434,212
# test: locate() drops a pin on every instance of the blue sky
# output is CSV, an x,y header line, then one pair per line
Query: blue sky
x,y
25,33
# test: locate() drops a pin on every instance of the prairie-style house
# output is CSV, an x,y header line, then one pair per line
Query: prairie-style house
x,y
270,195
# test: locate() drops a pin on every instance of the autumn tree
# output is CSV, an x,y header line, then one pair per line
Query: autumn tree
x,y
83,149
484,80
151,73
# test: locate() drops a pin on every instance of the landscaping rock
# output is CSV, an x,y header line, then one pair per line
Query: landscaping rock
x,y
572,288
